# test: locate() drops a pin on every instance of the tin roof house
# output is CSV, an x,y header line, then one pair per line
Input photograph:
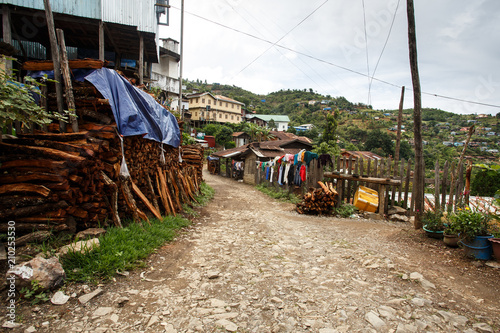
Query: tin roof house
x,y
122,32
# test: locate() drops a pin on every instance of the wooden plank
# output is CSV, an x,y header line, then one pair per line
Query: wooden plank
x,y
407,185
460,184
437,205
381,200
372,180
7,34
101,41
70,99
339,183
25,188
145,200
444,186
451,195
394,188
350,162
401,175
48,65
141,60
56,59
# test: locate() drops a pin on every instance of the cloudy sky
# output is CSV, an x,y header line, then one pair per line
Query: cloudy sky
x,y
268,45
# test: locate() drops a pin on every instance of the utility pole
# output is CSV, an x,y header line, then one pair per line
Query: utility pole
x,y
418,178
181,61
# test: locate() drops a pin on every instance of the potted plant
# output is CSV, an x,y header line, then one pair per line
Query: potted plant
x,y
473,229
495,241
450,233
433,224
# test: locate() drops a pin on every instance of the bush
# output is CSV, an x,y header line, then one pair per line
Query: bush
x,y
485,183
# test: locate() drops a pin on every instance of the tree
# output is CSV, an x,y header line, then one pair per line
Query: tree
x,y
330,132
379,141
17,102
271,125
292,130
224,135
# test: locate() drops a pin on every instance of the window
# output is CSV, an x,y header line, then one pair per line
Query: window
x,y
197,100
201,113
220,103
226,116
232,106
226,104
220,115
202,101
238,107
238,118
232,117
209,101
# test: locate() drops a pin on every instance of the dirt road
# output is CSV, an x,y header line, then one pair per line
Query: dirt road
x,y
252,264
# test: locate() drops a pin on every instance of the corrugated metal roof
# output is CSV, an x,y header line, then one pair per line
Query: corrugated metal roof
x,y
87,8
139,13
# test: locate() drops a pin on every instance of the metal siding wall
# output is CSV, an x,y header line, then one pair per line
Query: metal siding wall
x,y
139,13
81,8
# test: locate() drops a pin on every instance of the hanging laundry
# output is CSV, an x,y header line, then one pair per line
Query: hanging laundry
x,y
291,174
298,180
324,160
303,173
309,156
285,173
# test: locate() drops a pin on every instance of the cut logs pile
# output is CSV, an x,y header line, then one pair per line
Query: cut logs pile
x,y
72,181
320,200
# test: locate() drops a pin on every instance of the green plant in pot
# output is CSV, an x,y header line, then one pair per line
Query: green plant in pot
x,y
433,223
450,232
473,228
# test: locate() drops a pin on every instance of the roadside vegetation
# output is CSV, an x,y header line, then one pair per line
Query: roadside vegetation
x,y
123,249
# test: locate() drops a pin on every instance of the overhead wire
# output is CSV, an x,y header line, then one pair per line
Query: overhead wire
x,y
366,48
328,62
279,40
383,48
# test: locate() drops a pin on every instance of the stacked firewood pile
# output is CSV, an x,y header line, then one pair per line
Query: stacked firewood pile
x,y
318,201
72,181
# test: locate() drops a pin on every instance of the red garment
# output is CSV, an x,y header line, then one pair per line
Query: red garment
x,y
303,173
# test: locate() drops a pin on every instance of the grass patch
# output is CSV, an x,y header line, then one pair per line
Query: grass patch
x,y
126,248
278,194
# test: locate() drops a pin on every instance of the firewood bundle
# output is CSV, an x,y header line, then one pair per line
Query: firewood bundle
x,y
318,201
72,181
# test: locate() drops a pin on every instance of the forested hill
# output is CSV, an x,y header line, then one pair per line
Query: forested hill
x,y
294,103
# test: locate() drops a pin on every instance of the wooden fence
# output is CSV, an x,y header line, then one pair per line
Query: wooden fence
x,y
444,191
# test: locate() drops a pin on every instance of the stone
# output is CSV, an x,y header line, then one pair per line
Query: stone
x,y
81,246
396,210
373,216
114,318
227,325
483,328
90,233
327,330
121,301
375,320
87,297
387,312
399,218
217,303
49,273
459,321
416,276
153,320
30,329
427,285
406,328
11,324
418,301
213,275
59,298
102,311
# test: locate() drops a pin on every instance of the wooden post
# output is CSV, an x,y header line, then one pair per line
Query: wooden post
x,y
381,200
418,179
400,121
70,99
407,184
101,41
7,35
436,187
55,58
141,58
444,183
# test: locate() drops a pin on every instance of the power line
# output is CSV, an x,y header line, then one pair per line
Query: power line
x,y
274,44
383,49
328,62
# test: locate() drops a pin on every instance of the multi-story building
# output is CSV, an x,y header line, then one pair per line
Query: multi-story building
x,y
208,108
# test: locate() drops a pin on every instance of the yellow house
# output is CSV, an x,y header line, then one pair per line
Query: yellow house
x,y
205,108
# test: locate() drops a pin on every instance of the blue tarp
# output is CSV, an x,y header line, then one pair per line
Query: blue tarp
x,y
135,111
78,74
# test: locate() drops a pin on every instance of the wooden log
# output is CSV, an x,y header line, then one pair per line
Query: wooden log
x,y
48,65
100,117
145,200
129,199
149,183
23,227
25,178
32,210
43,164
42,220
24,188
62,146
114,199
44,152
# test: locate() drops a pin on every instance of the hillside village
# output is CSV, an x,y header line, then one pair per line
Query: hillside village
x,y
444,133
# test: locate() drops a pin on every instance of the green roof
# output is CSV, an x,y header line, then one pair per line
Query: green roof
x,y
275,117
